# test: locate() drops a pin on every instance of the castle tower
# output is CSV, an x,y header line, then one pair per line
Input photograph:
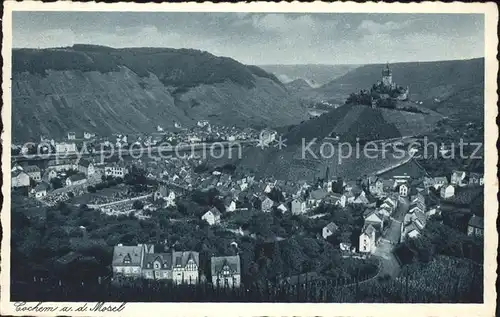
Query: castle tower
x,y
387,76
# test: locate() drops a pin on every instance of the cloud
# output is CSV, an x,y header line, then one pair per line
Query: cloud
x,y
381,28
284,78
282,23
261,38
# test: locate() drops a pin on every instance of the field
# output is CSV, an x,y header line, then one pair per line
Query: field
x,y
409,124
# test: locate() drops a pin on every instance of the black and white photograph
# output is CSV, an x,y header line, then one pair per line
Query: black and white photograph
x,y
214,156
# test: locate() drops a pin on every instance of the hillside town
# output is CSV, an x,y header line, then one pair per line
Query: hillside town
x,y
247,157
395,207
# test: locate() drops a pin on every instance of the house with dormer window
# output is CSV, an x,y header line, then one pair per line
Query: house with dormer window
x,y
128,260
226,271
157,266
185,267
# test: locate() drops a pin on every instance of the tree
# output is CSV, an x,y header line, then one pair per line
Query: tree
x,y
56,183
345,237
276,195
277,262
138,205
338,186
91,189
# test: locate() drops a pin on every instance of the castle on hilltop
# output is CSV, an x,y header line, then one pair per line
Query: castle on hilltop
x,y
387,89
385,93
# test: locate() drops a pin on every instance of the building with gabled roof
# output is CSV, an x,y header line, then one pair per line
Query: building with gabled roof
x,y
447,191
410,231
76,179
157,266
226,271
128,260
298,206
267,204
476,179
185,265
457,177
49,174
212,216
336,199
282,208
389,204
440,181
19,179
316,197
329,229
417,206
373,218
361,199
367,239
475,226
375,185
33,172
86,167
40,190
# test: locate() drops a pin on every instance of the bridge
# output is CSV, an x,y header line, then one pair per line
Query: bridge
x,y
138,152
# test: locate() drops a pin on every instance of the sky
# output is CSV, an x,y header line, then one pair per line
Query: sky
x,y
265,38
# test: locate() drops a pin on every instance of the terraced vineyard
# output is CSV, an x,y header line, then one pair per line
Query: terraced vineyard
x,y
365,123
352,116
409,123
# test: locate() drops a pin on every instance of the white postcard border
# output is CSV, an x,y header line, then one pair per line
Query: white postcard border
x,y
279,309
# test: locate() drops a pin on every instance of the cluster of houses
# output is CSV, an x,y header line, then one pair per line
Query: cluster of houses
x,y
71,173
180,267
202,132
378,195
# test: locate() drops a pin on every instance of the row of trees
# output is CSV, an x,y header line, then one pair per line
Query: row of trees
x,y
407,289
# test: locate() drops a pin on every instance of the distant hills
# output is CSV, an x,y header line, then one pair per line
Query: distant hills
x,y
298,85
317,75
437,90
107,90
